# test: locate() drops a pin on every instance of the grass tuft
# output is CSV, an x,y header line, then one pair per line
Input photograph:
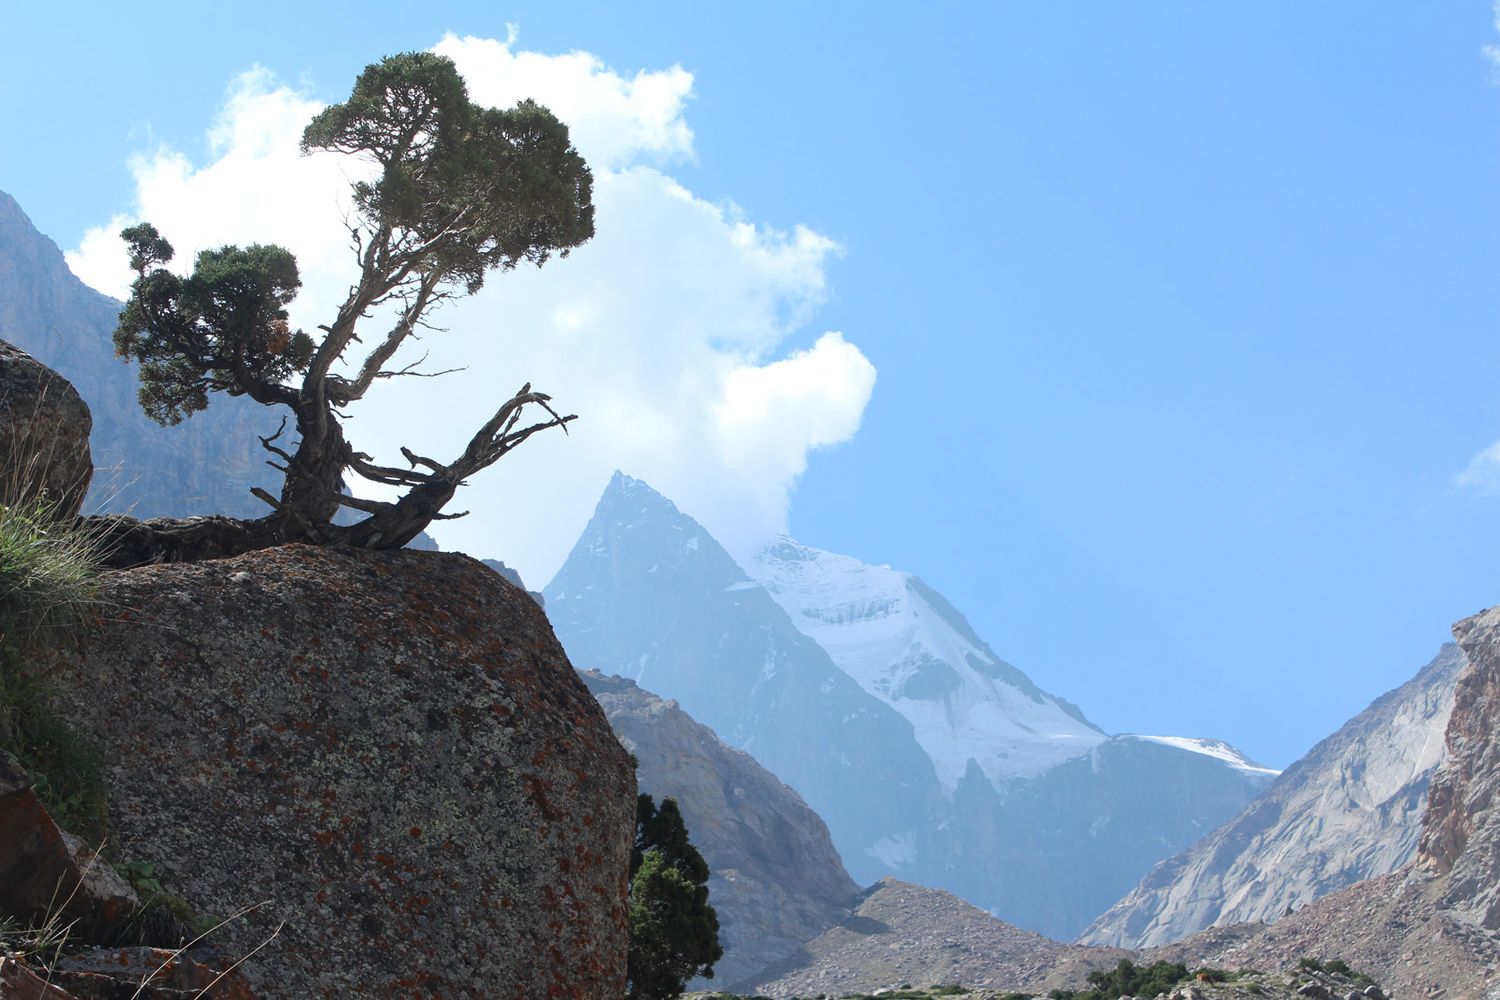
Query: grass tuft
x,y
48,585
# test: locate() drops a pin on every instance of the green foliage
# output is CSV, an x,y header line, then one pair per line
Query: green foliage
x,y
462,190
674,933
1335,966
458,190
223,328
48,572
164,918
479,188
47,580
1127,979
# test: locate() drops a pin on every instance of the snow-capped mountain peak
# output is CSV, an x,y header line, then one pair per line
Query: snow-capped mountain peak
x,y
906,645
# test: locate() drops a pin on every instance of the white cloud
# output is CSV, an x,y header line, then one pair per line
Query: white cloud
x,y
662,333
1492,52
1483,471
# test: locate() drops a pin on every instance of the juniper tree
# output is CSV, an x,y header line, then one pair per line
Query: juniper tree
x,y
457,191
674,933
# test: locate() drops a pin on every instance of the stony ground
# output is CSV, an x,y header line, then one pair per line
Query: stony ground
x,y
1297,984
1301,983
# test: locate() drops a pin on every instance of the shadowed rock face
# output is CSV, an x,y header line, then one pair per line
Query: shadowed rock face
x,y
44,435
1350,809
776,879
390,748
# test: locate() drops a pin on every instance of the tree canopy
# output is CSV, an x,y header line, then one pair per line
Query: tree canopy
x,y
674,933
458,190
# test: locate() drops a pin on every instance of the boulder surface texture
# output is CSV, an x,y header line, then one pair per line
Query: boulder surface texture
x,y
389,749
44,435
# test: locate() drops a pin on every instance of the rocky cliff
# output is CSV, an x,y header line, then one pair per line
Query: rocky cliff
x,y
1461,836
1429,928
1351,809
205,465
776,879
388,751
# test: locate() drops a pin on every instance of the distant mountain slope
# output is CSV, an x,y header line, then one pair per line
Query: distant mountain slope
x,y
906,645
648,594
777,880
1350,809
903,933
1432,927
205,465
1051,853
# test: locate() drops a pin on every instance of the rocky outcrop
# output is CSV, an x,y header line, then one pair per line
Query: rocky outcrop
x,y
47,875
776,879
1427,929
1461,839
1350,809
205,465
906,934
389,749
1393,928
44,436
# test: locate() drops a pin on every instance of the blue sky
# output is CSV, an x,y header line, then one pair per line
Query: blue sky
x,y
1184,315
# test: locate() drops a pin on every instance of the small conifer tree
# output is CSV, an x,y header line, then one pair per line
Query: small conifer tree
x,y
674,933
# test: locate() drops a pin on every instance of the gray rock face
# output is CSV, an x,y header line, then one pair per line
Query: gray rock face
x,y
1350,809
777,880
389,747
648,594
44,436
205,465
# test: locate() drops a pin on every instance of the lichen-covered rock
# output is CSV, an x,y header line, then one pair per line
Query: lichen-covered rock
x,y
147,974
389,748
44,435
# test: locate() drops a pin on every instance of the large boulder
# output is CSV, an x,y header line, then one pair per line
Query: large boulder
x,y
389,750
44,435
